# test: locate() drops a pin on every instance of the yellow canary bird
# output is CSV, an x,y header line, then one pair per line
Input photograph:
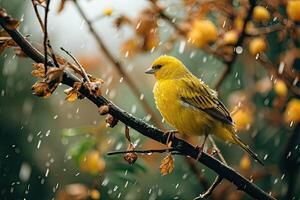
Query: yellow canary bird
x,y
189,105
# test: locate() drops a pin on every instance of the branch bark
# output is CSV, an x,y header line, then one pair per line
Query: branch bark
x,y
138,124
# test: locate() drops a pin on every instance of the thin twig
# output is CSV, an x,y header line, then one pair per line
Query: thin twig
x,y
214,145
138,124
84,74
38,15
52,54
229,64
118,66
266,63
149,151
46,34
208,192
168,19
266,30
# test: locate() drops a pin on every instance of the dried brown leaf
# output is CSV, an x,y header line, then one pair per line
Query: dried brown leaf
x,y
127,134
130,47
119,21
54,75
6,41
111,121
61,6
41,89
132,156
103,110
166,165
94,86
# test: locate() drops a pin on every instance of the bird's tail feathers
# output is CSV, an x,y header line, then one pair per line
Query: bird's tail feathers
x,y
247,149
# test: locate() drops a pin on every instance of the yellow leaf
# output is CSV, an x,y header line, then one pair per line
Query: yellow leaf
x,y
72,95
245,163
292,111
92,162
95,194
166,165
107,11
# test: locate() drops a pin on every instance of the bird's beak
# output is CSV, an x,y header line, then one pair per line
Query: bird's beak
x,y
150,71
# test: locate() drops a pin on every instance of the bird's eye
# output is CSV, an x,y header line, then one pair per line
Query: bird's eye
x,y
156,67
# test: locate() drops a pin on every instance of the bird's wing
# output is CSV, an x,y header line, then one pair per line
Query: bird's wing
x,y
197,94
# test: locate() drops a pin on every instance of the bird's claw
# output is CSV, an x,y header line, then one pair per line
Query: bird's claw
x,y
171,135
200,150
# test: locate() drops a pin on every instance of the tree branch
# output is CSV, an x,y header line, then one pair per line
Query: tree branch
x,y
46,33
229,64
150,151
138,124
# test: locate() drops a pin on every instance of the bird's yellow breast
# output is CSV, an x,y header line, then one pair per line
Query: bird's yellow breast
x,y
185,118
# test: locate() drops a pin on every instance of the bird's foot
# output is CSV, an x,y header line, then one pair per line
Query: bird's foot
x,y
200,150
171,135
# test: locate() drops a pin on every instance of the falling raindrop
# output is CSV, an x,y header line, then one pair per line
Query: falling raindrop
x,y
239,49
29,138
224,24
115,188
121,79
25,172
119,146
192,54
47,172
39,144
295,81
48,133
81,25
105,182
141,96
181,46
266,156
289,154
281,68
184,176
133,109
257,56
